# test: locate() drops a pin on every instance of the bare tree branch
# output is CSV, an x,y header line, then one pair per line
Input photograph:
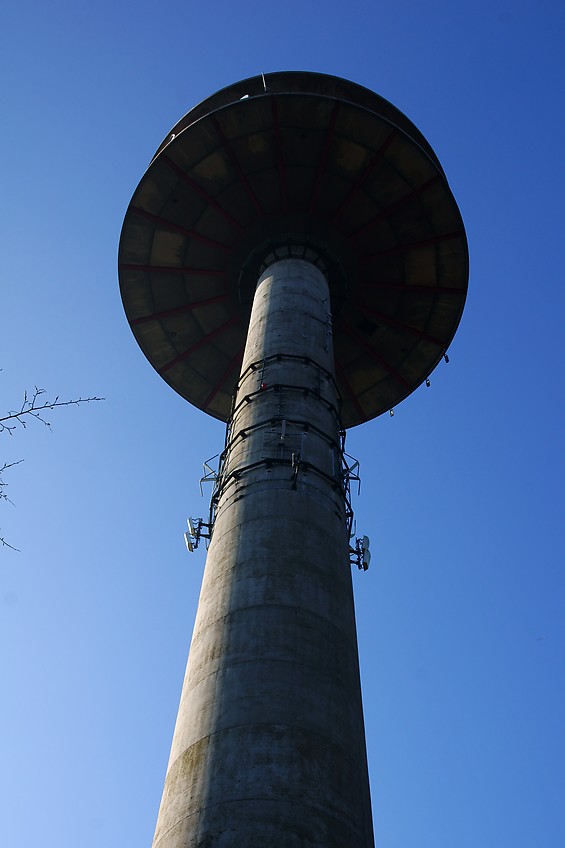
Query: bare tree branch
x,y
33,406
8,545
3,484
4,496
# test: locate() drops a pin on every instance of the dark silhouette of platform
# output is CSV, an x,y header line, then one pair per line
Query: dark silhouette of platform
x,y
303,165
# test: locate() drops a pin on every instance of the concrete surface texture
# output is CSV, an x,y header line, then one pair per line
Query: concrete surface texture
x,y
269,746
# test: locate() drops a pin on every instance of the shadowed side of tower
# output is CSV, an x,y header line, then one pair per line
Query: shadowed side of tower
x,y
269,745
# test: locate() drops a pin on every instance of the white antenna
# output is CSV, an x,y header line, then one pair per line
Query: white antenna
x,y
361,553
191,536
197,529
365,552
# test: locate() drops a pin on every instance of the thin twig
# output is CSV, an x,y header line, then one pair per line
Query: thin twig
x,y
34,409
3,484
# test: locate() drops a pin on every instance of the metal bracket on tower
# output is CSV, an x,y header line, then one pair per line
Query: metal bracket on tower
x,y
349,473
210,474
215,476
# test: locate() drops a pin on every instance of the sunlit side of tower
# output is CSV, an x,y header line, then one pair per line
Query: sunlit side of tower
x,y
293,263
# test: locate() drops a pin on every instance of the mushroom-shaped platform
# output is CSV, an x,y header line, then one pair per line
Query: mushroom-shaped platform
x,y
302,165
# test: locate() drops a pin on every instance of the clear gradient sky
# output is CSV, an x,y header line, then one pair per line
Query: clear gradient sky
x,y
461,616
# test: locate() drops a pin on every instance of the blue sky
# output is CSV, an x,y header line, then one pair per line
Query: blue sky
x,y
460,617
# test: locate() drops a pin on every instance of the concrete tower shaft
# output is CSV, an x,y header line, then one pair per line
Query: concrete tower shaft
x,y
269,744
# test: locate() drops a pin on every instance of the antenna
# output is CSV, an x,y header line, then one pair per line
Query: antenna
x,y
361,555
365,553
197,529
